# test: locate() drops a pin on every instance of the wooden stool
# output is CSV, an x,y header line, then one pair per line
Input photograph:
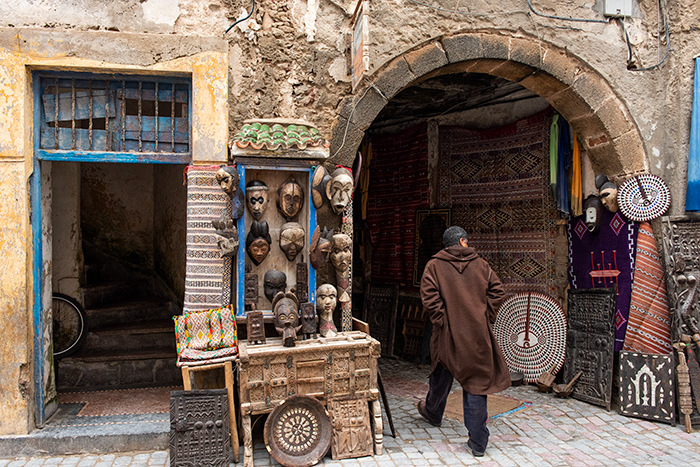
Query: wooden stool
x,y
228,375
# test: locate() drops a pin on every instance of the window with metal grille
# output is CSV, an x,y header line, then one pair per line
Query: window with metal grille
x,y
93,113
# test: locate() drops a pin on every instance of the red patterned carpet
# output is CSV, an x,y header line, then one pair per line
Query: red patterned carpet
x,y
121,401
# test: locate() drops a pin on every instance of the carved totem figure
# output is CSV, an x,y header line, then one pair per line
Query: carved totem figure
x,y
607,191
257,198
339,189
290,199
258,241
326,300
226,235
228,179
320,248
309,321
285,308
256,327
274,282
291,239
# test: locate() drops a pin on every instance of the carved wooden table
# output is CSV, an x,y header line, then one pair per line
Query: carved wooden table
x,y
325,368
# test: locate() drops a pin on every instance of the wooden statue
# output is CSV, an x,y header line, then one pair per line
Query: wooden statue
x,y
256,327
309,321
326,300
228,179
320,248
290,199
285,308
274,282
257,198
258,241
341,258
226,235
291,239
339,189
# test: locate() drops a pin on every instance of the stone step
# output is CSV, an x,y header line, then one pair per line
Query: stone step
x,y
106,293
118,369
153,334
131,311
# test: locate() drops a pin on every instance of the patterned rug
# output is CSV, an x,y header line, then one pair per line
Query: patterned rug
x,y
649,327
208,275
497,183
398,185
603,260
120,401
497,405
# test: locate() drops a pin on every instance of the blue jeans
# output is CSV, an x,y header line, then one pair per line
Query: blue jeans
x,y
474,406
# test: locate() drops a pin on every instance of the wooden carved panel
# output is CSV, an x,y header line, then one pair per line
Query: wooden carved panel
x,y
302,288
681,250
352,434
590,344
646,386
381,303
199,428
251,288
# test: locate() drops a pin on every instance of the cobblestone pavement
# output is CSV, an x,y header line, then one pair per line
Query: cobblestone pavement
x,y
548,432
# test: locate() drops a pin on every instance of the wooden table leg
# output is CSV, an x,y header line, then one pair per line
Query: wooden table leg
x,y
233,425
378,427
247,441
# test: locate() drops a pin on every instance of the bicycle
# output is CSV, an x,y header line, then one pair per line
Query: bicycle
x,y
69,325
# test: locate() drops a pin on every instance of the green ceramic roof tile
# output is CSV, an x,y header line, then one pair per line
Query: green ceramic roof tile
x,y
261,135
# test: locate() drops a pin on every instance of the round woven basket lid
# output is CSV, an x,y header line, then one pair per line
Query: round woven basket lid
x,y
643,197
531,330
298,432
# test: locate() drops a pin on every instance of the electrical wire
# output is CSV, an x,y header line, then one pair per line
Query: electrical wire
x,y
582,20
629,45
252,8
468,13
347,126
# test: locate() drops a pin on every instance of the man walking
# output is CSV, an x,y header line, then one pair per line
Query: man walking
x,y
462,295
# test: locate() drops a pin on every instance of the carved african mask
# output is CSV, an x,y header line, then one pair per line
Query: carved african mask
x,y
274,282
608,196
319,182
341,252
290,199
258,241
320,247
593,211
339,189
257,198
291,239
326,301
285,308
228,179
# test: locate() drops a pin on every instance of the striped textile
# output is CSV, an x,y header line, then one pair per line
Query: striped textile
x,y
208,275
649,327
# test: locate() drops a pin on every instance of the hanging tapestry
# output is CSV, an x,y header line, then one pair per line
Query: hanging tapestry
x,y
207,274
497,183
605,259
649,327
399,174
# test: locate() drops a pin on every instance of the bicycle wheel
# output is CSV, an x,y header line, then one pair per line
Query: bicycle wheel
x,y
69,327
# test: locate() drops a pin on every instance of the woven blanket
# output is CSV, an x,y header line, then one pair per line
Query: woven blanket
x,y
207,275
649,327
497,183
604,260
398,186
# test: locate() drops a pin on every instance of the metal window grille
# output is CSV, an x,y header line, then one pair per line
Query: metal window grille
x,y
115,115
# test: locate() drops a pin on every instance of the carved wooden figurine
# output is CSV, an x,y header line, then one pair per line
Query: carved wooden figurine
x,y
228,179
274,282
226,235
258,241
339,189
290,199
291,239
341,257
326,300
320,247
257,198
309,321
256,327
285,308
251,289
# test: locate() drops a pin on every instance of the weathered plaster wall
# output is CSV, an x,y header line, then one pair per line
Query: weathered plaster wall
x,y
21,50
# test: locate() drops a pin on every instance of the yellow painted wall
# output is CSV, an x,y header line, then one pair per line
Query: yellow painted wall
x,y
22,51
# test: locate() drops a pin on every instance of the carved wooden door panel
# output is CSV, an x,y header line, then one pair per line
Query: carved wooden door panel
x,y
590,344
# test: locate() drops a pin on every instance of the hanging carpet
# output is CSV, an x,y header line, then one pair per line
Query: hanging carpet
x,y
497,183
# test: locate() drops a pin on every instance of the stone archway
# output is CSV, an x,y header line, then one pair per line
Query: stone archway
x,y
579,93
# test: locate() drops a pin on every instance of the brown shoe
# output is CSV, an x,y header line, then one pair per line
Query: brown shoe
x,y
423,413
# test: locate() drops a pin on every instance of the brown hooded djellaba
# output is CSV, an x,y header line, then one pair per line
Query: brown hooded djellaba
x,y
463,295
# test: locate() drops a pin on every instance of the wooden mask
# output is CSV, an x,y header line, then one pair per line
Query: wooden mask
x,y
228,179
291,239
341,252
257,198
318,185
607,191
258,242
339,189
593,212
274,282
285,308
290,199
320,247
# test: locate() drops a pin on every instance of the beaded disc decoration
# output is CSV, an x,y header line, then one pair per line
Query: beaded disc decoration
x,y
643,197
298,432
531,330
